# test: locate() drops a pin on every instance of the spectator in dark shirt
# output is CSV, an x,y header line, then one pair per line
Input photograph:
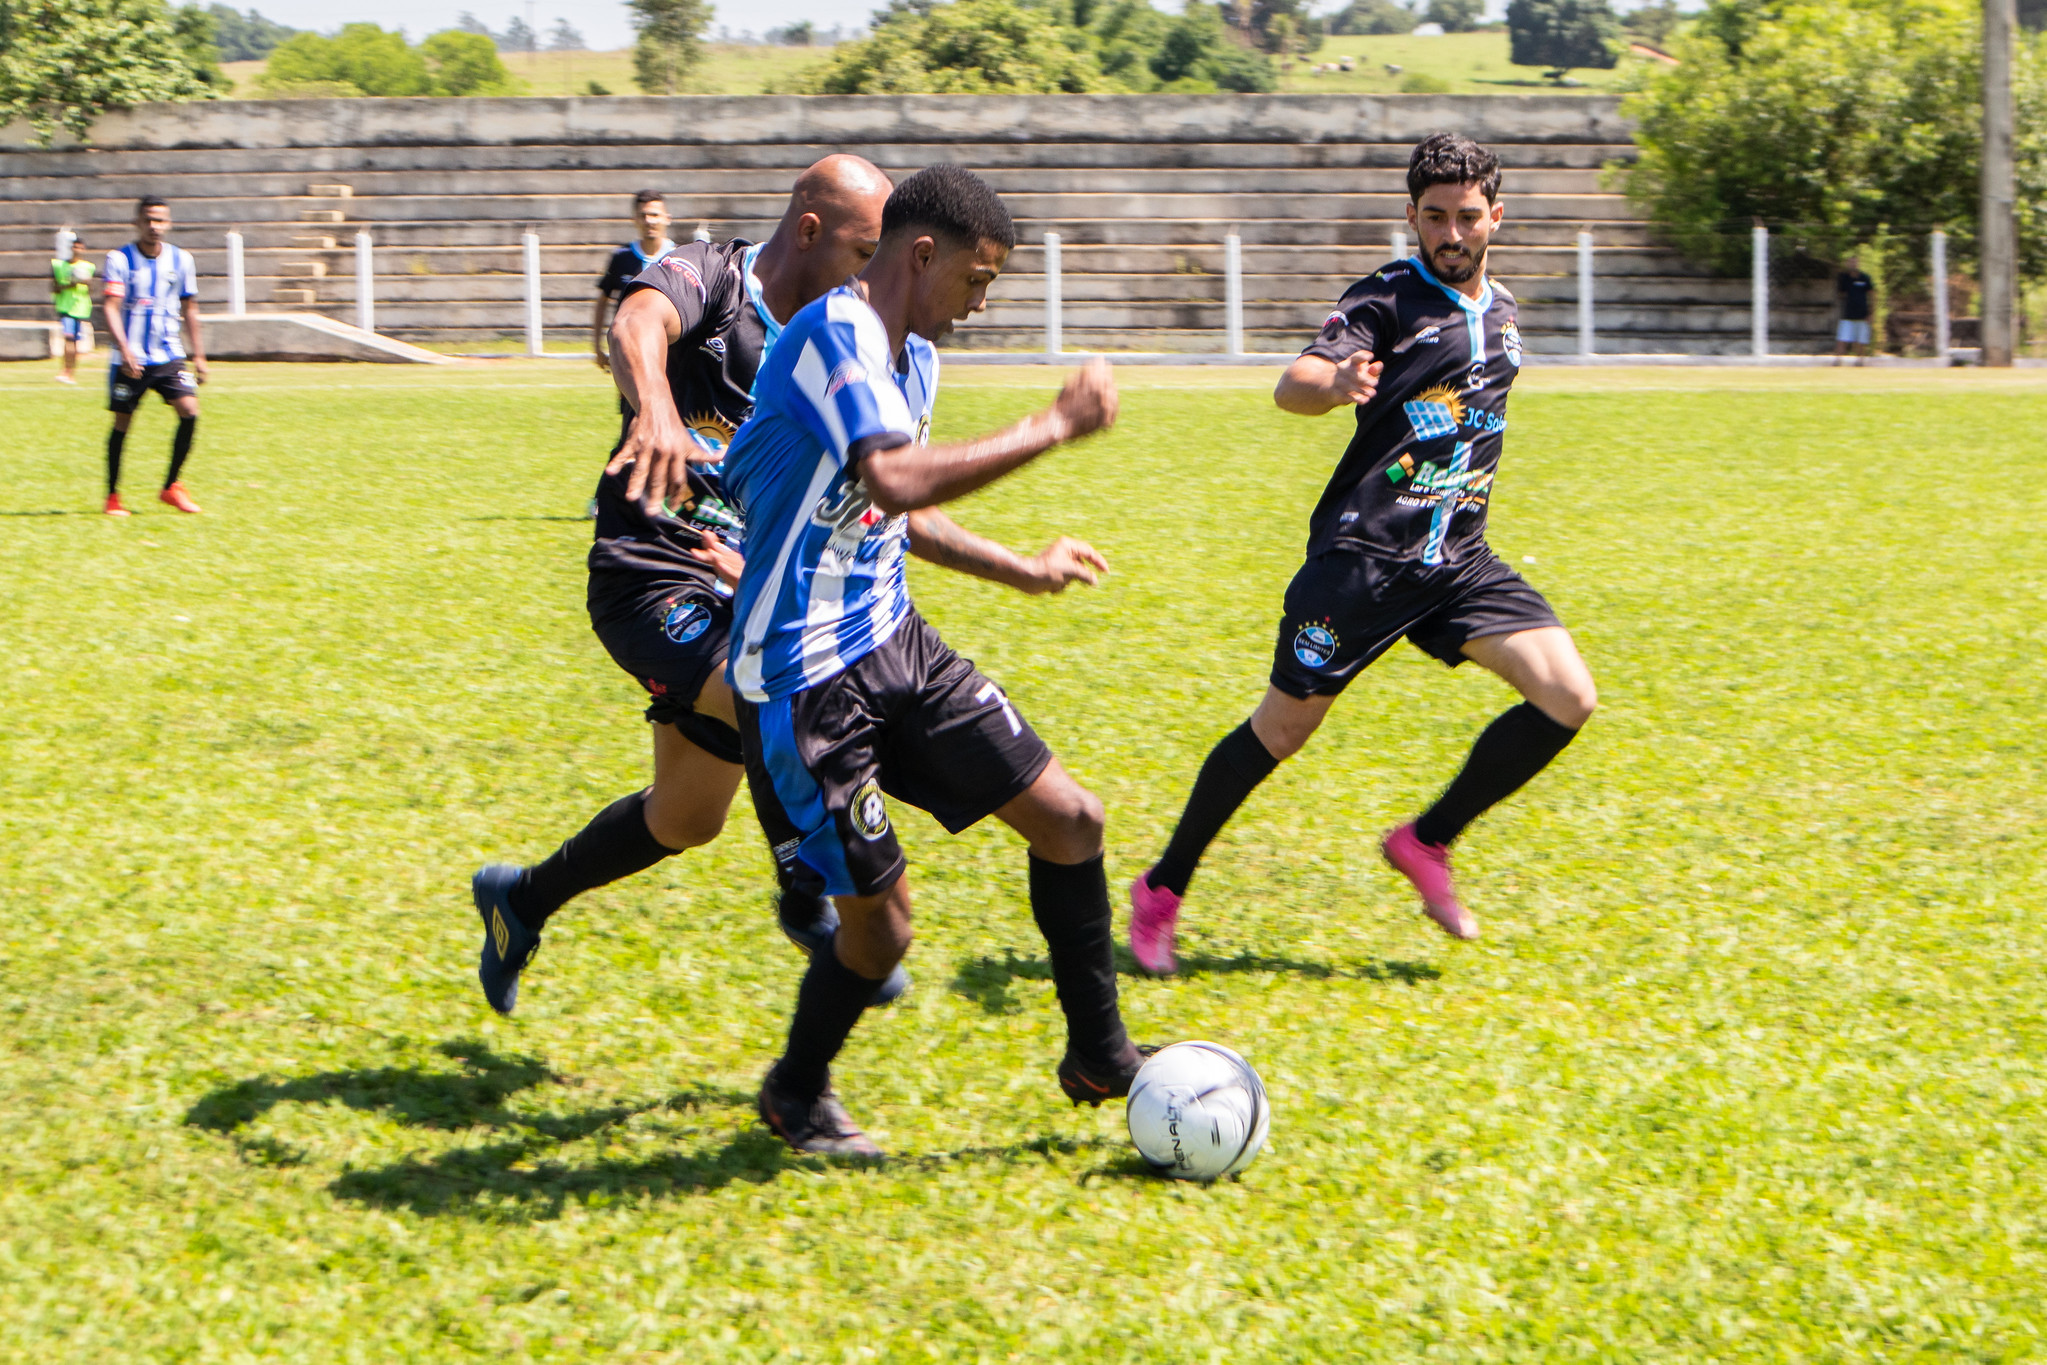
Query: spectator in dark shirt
x,y
1854,288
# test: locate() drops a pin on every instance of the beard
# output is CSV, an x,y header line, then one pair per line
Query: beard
x,y
1460,268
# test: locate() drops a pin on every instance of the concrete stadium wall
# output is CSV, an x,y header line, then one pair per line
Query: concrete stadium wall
x,y
1142,190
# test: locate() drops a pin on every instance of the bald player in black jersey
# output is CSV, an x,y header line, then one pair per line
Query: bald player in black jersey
x,y
689,335
1424,351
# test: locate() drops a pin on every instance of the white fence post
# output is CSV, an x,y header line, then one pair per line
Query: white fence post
x,y
365,284
1759,308
1399,245
237,281
1233,295
1942,328
1055,330
1585,342
533,331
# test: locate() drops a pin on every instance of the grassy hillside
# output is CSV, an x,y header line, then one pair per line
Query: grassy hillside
x,y
731,70
1464,63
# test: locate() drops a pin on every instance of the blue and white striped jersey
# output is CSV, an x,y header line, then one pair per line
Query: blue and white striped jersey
x,y
152,292
824,583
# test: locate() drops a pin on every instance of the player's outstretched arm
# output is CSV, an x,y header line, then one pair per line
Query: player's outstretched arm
x,y
936,537
658,446
1312,385
192,337
907,477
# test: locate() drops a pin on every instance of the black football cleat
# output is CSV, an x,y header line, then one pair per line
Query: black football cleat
x,y
1089,1082
810,921
508,945
819,1127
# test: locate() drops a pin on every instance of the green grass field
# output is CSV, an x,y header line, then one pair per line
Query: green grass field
x,y
729,69
1460,63
1749,1066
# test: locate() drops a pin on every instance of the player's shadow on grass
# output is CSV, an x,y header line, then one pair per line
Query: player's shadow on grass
x,y
986,980
512,1177
506,516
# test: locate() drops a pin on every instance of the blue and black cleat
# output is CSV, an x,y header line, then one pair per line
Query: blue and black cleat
x,y
810,921
508,945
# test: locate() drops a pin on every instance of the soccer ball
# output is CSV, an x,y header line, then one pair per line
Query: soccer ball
x,y
1197,1111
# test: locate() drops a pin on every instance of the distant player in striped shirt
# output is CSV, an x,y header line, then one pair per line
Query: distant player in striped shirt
x,y
151,288
848,697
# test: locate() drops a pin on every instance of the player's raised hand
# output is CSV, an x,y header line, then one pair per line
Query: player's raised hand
x,y
659,448
1356,379
1088,402
725,561
1065,560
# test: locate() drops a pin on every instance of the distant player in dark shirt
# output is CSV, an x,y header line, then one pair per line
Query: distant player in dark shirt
x,y
1424,351
625,266
1854,288
691,331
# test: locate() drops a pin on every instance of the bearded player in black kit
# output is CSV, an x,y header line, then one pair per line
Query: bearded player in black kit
x,y
1424,350
689,336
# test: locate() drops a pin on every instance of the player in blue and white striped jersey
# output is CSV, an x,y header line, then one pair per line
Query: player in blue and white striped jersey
x,y
151,290
845,692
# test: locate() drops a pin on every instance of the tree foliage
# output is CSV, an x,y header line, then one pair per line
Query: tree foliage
x,y
1842,123
1372,17
1562,34
1048,46
245,37
198,36
364,59
1456,16
65,62
670,43
1654,23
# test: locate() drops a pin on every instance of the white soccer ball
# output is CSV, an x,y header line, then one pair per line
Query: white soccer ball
x,y
1197,1111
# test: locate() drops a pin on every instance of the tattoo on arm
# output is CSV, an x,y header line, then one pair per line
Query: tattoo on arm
x,y
938,539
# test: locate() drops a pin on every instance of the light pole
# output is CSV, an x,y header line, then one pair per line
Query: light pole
x,y
1997,237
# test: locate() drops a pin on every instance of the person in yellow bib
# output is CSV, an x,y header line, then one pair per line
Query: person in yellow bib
x,y
71,296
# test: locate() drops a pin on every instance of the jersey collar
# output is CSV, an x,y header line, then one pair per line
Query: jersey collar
x,y
754,296
646,260
1464,301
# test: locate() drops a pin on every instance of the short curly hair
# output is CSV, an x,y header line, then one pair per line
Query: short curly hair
x,y
1452,159
951,202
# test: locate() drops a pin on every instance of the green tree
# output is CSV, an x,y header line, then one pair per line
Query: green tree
x,y
1372,17
198,35
670,43
966,48
245,37
1655,23
65,62
1457,16
361,59
1841,123
466,64
1255,20
1197,53
1562,34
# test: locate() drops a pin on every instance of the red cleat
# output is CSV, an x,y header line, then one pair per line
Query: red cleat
x,y
1154,918
177,497
1428,867
114,508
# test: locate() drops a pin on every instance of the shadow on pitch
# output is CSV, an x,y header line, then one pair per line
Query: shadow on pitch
x,y
511,1176
986,980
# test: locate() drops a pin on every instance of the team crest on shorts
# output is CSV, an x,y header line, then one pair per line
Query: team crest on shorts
x,y
685,621
1510,337
869,811
1315,644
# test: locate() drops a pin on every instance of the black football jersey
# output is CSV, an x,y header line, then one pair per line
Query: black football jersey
x,y
1415,481
711,366
625,266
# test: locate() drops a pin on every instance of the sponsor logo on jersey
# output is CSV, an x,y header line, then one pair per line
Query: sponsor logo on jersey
x,y
716,346
685,621
1510,337
869,811
1315,644
710,428
924,430
848,372
688,272
1435,412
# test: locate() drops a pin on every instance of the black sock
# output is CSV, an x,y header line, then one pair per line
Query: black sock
x,y
1071,906
1233,770
181,446
615,844
1513,749
828,1004
115,440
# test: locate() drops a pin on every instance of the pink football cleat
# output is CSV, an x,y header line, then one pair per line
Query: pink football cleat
x,y
1428,867
1154,914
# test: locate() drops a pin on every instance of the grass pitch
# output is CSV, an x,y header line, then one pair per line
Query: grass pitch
x,y
1748,1067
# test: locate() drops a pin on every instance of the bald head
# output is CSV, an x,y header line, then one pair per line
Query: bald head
x,y
828,233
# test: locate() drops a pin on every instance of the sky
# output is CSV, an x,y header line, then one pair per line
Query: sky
x,y
602,22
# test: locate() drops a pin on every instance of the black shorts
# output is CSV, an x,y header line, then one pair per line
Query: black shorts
x,y
173,380
671,635
913,720
1344,609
